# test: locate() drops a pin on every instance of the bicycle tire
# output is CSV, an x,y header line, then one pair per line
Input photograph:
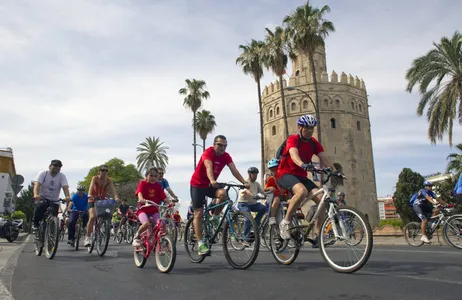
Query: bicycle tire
x,y
406,234
143,248
274,237
101,245
446,228
130,234
186,241
256,243
78,232
39,240
171,230
368,235
120,236
52,225
172,246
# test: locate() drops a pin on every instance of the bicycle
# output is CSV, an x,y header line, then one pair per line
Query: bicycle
x,y
231,227
171,227
47,234
102,228
153,239
79,229
125,231
343,228
445,219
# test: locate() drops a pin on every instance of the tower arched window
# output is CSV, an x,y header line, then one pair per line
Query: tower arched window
x,y
305,104
360,108
297,73
293,106
278,111
271,113
273,130
337,103
358,125
352,105
332,123
326,102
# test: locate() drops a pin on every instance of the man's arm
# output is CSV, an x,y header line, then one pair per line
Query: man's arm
x,y
37,190
325,160
114,192
169,190
66,193
237,175
209,168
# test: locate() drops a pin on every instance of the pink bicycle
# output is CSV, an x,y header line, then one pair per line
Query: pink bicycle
x,y
155,239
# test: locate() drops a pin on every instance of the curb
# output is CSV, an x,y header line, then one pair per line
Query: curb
x,y
22,237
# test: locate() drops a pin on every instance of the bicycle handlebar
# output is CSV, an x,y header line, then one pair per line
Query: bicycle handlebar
x,y
222,185
152,203
42,199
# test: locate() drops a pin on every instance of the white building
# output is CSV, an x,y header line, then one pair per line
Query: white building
x,y
7,184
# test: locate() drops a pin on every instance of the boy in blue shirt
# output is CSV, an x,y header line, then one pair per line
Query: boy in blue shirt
x,y
79,202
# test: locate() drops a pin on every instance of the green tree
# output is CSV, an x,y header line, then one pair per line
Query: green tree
x,y
444,99
121,174
455,161
25,201
251,62
205,125
307,30
195,92
152,153
18,215
409,182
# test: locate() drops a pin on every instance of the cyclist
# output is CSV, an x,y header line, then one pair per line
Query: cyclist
x,y
341,199
203,184
458,190
164,183
153,191
115,222
271,185
47,185
98,190
123,210
79,202
190,211
291,175
177,219
423,207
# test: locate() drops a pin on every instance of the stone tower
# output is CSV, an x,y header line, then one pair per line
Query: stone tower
x,y
345,126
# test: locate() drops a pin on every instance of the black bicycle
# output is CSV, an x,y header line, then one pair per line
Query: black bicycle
x,y
47,234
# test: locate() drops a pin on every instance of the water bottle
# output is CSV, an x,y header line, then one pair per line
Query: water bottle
x,y
311,212
434,224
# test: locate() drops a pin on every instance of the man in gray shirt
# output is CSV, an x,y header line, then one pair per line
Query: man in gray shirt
x,y
48,185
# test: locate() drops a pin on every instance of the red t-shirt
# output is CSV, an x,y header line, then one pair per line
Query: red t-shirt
x,y
150,191
287,166
199,177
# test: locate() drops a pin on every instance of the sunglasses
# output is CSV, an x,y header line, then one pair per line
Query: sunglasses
x,y
59,166
221,145
104,170
161,173
153,175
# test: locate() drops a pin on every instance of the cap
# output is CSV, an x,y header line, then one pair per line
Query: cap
x,y
56,162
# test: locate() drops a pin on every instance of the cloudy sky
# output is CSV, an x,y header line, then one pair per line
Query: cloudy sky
x,y
85,81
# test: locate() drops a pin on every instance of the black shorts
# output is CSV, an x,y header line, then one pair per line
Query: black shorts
x,y
423,210
198,195
287,181
458,198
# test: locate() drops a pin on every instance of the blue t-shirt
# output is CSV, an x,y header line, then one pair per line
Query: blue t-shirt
x,y
80,203
164,183
421,196
458,188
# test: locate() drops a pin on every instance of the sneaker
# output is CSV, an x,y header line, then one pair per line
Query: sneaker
x,y
272,221
315,242
425,239
87,242
136,242
34,228
284,229
71,242
203,250
246,244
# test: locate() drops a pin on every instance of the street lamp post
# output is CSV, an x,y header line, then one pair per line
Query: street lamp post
x,y
203,149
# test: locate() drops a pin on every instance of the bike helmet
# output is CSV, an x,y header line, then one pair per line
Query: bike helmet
x,y
428,183
252,170
331,189
80,188
341,194
307,120
273,163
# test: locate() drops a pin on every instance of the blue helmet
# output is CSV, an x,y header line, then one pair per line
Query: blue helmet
x,y
428,183
307,120
273,163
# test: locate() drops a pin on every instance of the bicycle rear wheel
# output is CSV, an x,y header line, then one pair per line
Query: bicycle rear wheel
x,y
246,246
141,253
103,236
165,254
78,233
51,237
355,226
412,234
285,252
191,244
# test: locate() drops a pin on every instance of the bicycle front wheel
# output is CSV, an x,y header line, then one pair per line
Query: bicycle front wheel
x,y
191,243
51,237
170,226
452,231
165,254
241,240
352,226
102,236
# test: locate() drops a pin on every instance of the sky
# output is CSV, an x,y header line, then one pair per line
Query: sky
x,y
86,81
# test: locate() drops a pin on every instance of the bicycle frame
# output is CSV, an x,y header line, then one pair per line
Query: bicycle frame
x,y
154,231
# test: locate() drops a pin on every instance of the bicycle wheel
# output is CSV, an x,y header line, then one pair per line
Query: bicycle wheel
x,y
165,254
120,235
285,252
412,234
347,234
236,232
51,237
39,238
171,230
78,230
191,244
141,254
453,227
103,236
130,234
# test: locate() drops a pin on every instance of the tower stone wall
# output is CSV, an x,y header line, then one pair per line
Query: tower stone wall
x,y
344,121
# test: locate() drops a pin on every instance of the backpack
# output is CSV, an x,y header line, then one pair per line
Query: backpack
x,y
412,200
280,154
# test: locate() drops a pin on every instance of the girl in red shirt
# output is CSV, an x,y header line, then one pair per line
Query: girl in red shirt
x,y
272,185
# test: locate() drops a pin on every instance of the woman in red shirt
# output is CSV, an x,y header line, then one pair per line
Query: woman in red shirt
x,y
148,189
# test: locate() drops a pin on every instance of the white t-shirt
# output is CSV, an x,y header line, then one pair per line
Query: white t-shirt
x,y
50,187
255,188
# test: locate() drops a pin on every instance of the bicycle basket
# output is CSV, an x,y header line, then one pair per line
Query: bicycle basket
x,y
104,208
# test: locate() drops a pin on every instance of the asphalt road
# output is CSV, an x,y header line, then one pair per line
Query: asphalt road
x,y
392,273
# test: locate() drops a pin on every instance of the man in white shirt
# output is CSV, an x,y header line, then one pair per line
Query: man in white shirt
x,y
48,185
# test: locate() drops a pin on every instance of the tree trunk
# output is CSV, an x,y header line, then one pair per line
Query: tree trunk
x,y
284,110
194,137
262,142
317,109
203,145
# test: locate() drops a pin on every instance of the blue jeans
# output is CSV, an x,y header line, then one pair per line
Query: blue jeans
x,y
259,208
73,216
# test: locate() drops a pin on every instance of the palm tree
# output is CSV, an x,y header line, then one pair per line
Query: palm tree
x,y
152,153
455,161
251,62
195,92
444,98
205,125
276,59
307,30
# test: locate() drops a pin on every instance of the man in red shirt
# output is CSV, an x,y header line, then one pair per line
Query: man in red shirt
x,y
204,184
291,175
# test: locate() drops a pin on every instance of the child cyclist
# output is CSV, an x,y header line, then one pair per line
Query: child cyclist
x,y
271,185
148,189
